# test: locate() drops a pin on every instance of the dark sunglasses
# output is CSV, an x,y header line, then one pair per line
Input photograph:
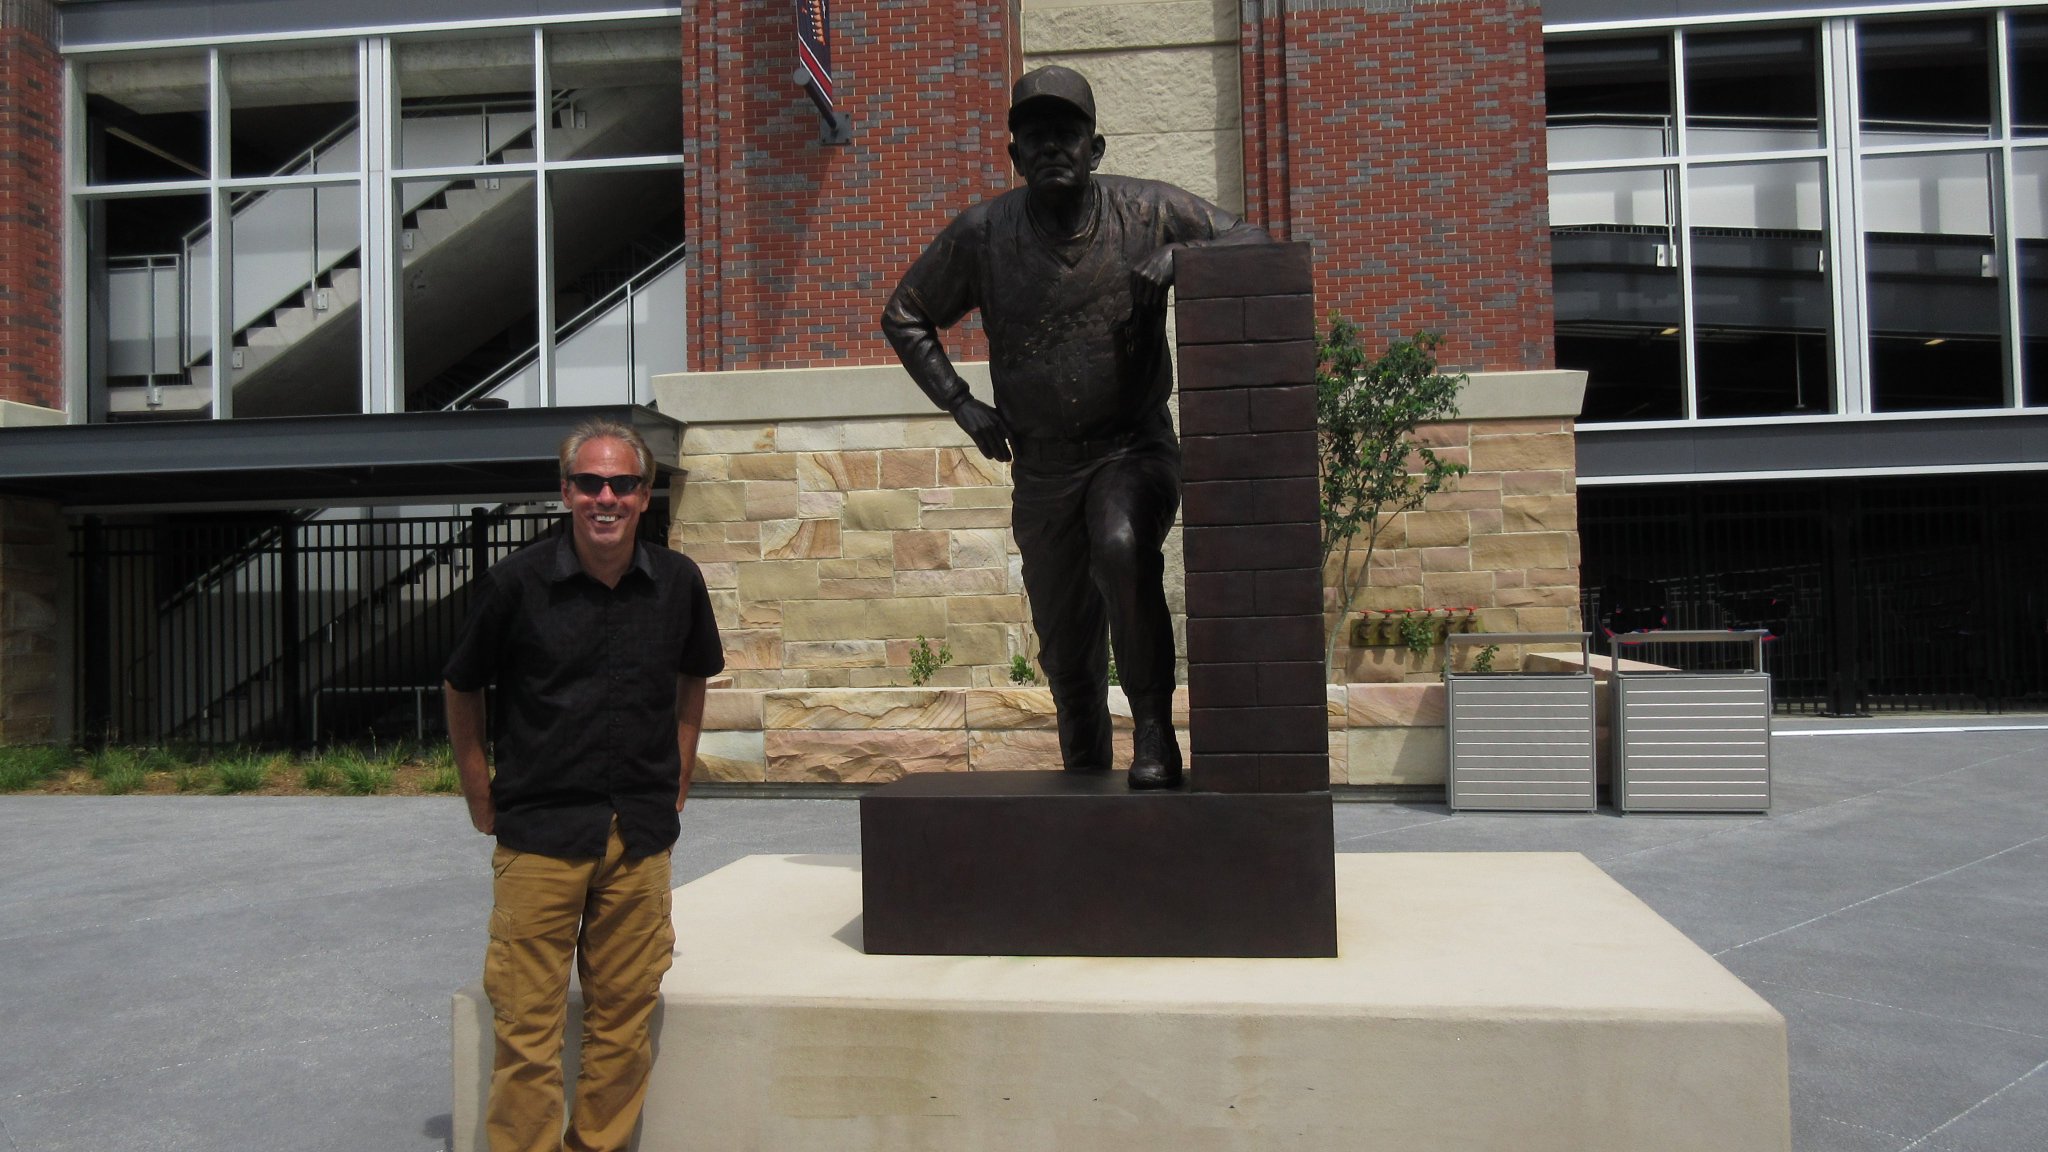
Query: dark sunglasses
x,y
590,483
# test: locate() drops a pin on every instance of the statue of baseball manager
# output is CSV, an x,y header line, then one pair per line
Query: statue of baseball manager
x,y
1070,273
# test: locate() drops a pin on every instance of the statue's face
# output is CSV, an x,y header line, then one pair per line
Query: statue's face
x,y
1055,150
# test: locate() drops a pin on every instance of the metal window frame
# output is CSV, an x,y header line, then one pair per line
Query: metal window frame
x,y
378,179
1841,153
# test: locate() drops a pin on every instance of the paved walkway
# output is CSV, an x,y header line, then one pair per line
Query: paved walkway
x,y
214,974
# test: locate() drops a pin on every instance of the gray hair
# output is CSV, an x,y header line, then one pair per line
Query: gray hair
x,y
607,430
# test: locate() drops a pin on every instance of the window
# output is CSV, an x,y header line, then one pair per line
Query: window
x,y
1849,219
513,238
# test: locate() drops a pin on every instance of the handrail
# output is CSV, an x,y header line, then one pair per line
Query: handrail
x,y
520,361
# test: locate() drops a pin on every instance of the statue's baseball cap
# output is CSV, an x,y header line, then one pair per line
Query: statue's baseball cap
x,y
1051,84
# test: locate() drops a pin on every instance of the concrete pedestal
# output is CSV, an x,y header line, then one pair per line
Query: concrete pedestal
x,y
1479,1001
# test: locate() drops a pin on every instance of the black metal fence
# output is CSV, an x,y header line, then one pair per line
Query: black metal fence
x,y
1880,594
280,630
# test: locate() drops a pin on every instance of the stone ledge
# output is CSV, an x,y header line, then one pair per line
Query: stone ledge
x,y
1479,1000
15,414
871,391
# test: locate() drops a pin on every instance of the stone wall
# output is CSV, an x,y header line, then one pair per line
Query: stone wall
x,y
1502,539
1380,735
31,571
1165,76
838,517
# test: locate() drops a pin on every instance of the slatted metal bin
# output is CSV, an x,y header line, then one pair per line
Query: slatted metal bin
x,y
1520,741
1688,741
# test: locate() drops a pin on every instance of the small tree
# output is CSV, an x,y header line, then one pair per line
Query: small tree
x,y
1367,410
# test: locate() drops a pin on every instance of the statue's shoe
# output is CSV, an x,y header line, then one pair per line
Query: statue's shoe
x,y
1150,774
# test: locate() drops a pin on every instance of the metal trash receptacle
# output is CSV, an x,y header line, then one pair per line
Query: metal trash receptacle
x,y
1520,741
1692,741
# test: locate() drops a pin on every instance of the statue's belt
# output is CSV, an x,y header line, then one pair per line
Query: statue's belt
x,y
1049,451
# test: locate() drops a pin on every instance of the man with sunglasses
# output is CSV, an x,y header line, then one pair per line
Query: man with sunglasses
x,y
1070,273
600,645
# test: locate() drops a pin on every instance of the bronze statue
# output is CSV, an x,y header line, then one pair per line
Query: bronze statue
x,y
1070,273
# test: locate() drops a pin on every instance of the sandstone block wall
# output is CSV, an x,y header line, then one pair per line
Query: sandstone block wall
x,y
1165,76
831,545
1503,540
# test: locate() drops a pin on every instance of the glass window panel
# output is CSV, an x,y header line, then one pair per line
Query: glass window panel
x,y
617,92
142,357
2030,236
615,233
1608,99
2028,38
465,102
1752,91
296,288
467,289
146,119
1935,305
1761,304
292,113
1614,258
1925,80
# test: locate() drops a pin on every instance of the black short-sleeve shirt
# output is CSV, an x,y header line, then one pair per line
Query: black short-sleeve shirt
x,y
586,679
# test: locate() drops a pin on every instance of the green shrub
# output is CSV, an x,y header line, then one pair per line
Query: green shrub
x,y
195,778
245,773
318,775
443,779
364,775
925,663
25,766
115,760
121,778
1020,670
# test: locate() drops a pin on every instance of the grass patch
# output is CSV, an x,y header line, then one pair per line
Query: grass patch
x,y
196,778
25,766
119,778
318,775
364,773
115,760
244,773
443,779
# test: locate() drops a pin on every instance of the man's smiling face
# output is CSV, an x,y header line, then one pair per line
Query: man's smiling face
x,y
1055,147
606,520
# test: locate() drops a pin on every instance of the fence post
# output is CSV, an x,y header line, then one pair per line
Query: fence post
x,y
1845,675
95,610
292,631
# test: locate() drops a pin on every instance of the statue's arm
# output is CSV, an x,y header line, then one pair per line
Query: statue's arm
x,y
912,326
1191,222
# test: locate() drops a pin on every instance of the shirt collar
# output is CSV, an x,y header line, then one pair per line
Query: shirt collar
x,y
567,564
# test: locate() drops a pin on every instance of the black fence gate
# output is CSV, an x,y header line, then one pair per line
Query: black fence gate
x,y
1880,594
288,629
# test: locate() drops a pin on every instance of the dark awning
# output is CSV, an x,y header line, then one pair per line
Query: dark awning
x,y
309,461
1793,448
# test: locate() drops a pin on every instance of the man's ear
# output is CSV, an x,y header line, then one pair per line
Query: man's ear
x,y
1095,150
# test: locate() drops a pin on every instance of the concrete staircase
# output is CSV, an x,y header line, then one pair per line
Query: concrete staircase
x,y
463,250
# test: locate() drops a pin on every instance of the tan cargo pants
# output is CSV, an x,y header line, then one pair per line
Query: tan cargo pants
x,y
612,914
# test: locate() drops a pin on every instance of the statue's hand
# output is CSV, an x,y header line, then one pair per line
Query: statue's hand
x,y
1150,280
981,422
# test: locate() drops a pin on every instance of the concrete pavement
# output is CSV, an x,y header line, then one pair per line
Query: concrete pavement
x,y
214,973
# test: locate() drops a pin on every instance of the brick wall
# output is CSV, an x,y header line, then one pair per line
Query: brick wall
x,y
31,204
795,245
1404,139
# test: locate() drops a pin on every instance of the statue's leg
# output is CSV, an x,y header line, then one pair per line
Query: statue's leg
x,y
1049,518
1130,508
